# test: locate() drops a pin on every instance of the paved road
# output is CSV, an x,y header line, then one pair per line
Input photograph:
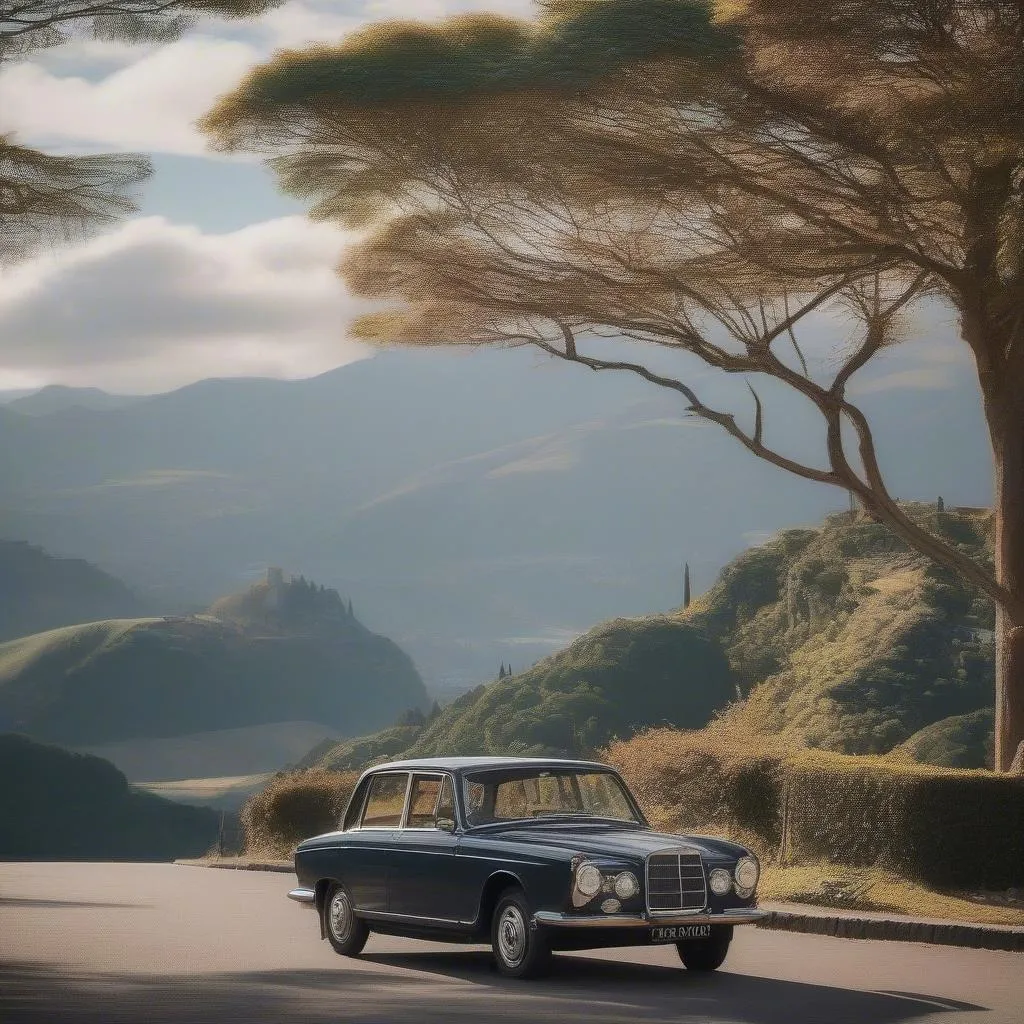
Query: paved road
x,y
149,944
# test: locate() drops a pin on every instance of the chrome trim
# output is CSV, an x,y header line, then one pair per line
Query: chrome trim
x,y
677,852
553,919
307,897
382,915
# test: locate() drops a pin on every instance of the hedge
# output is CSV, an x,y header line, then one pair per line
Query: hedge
x,y
944,827
292,808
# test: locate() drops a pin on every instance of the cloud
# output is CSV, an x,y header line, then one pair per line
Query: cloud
x,y
154,305
151,104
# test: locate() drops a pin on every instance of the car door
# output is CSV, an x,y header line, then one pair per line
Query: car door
x,y
424,880
369,847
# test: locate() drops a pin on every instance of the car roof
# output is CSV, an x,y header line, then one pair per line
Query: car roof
x,y
481,763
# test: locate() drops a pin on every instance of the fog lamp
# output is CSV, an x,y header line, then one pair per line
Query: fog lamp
x,y
626,885
720,881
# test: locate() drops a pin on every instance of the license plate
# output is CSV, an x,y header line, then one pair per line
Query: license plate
x,y
676,933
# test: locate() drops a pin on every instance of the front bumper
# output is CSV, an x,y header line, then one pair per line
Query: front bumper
x,y
307,897
553,919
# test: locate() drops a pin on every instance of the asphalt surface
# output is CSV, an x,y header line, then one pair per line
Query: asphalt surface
x,y
149,944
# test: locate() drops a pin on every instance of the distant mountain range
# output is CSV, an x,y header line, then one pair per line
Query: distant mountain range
x,y
59,398
479,507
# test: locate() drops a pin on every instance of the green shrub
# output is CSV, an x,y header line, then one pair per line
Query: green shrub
x,y
292,808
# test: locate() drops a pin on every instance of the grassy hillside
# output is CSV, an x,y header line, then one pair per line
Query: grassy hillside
x,y
39,592
57,805
839,638
621,676
844,639
109,681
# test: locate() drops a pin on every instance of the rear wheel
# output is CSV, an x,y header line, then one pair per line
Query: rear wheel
x,y
706,954
345,932
520,948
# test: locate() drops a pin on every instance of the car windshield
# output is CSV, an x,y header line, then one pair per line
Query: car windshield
x,y
514,794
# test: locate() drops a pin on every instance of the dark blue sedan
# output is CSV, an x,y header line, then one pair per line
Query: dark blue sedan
x,y
530,854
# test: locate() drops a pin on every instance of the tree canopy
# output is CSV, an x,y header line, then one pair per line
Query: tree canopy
x,y
714,181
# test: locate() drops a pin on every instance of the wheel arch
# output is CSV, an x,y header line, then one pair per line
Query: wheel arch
x,y
495,885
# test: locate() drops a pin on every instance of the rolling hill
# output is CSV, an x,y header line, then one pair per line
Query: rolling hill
x,y
621,676
59,805
40,592
837,637
116,680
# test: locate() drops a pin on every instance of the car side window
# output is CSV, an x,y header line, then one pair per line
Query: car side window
x,y
423,801
386,800
446,804
431,802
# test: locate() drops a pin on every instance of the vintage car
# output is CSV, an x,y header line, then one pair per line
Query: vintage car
x,y
530,854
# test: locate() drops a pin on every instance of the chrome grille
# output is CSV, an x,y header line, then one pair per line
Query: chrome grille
x,y
675,882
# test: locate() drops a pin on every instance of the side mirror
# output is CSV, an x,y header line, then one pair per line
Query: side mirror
x,y
445,824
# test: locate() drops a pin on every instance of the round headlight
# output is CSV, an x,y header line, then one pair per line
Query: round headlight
x,y
747,873
626,885
589,879
720,881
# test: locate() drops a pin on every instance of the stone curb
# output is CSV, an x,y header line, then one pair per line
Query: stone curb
x,y
846,925
850,926
241,865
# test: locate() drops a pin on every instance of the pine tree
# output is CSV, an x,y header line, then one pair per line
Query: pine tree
x,y
940,505
686,585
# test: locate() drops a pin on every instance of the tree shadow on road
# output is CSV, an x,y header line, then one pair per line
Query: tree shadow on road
x,y
449,987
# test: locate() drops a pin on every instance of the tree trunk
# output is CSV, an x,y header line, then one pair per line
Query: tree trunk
x,y
1008,449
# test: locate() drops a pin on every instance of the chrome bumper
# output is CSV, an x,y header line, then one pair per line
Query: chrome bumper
x,y
307,897
552,919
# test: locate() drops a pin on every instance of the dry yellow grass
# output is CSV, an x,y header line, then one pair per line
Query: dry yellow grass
x,y
874,889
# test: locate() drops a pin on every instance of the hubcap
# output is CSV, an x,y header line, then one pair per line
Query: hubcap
x,y
339,916
512,936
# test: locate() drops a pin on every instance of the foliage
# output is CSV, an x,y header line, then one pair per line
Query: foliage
x,y
114,680
56,805
349,755
621,676
845,638
960,741
39,592
294,807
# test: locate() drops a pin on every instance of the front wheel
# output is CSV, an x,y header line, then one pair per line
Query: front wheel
x,y
345,932
706,954
520,950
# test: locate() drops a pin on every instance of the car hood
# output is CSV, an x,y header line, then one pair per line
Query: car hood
x,y
610,840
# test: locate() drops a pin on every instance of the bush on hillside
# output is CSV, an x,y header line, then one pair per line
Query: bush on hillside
x,y
294,807
619,677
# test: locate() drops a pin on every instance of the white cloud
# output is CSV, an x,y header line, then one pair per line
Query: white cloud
x,y
153,305
151,104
